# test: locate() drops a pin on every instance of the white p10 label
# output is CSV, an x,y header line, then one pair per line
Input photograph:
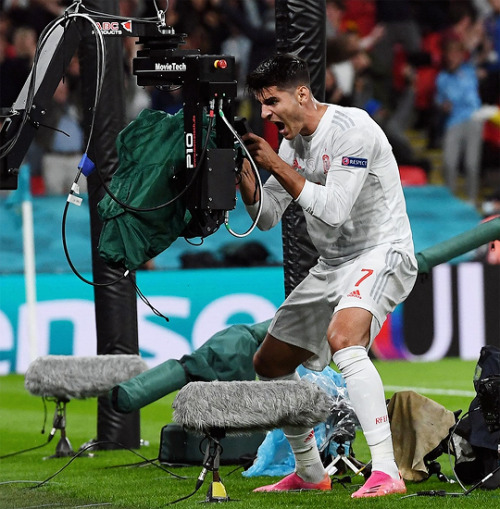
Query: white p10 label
x,y
190,150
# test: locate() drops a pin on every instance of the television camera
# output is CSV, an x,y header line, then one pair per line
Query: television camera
x,y
208,87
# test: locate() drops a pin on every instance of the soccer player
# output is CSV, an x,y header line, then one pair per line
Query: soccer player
x,y
337,164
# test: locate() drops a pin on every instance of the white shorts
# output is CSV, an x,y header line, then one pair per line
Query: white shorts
x,y
377,281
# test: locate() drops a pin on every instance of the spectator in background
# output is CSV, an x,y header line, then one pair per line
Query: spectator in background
x,y
62,141
36,14
348,59
338,24
483,7
239,46
254,19
203,25
401,27
15,68
16,65
489,88
439,21
465,25
489,62
347,62
360,15
397,121
350,83
457,99
334,15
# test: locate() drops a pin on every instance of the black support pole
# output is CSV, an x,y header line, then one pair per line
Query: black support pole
x,y
301,30
115,305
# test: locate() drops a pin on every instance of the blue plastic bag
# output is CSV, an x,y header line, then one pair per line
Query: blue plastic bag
x,y
275,456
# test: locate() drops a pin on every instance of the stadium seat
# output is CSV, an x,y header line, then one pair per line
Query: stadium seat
x,y
412,176
491,133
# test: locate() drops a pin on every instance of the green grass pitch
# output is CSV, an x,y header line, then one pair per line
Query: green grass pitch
x,y
114,479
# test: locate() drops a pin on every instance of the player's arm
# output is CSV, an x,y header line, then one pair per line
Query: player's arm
x,y
249,190
332,203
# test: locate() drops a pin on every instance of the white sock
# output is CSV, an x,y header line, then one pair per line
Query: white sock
x,y
308,464
367,396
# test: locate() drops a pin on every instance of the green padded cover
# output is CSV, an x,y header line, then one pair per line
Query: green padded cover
x,y
151,152
227,355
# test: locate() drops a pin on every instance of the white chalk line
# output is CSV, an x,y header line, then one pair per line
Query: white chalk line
x,y
429,390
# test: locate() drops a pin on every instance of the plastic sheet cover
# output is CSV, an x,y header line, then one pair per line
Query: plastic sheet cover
x,y
275,457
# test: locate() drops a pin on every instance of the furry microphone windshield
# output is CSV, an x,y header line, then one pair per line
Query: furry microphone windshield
x,y
246,406
67,377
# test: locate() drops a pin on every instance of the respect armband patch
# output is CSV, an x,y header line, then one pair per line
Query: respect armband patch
x,y
356,162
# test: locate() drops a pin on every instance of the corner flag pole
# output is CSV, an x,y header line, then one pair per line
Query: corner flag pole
x,y
29,259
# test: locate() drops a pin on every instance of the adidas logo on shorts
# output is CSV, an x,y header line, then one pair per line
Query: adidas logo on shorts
x,y
355,293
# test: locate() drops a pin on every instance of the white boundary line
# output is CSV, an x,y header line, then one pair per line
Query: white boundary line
x,y
428,390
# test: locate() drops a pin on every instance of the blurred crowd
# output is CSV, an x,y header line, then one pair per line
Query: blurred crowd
x,y
426,65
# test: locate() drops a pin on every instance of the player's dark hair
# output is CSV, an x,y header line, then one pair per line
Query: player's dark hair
x,y
283,70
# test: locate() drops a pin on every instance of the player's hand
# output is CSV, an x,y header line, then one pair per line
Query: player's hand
x,y
260,150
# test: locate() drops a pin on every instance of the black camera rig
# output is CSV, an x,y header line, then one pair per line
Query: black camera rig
x,y
208,88
488,391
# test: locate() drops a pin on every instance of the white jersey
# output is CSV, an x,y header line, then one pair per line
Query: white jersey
x,y
352,198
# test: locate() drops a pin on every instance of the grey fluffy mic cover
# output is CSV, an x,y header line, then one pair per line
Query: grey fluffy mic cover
x,y
245,406
68,377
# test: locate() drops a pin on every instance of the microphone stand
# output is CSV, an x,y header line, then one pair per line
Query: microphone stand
x,y
63,447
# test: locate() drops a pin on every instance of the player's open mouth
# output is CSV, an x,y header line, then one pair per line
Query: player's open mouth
x,y
280,126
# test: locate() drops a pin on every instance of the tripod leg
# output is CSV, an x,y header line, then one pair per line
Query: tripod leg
x,y
356,466
331,468
351,465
